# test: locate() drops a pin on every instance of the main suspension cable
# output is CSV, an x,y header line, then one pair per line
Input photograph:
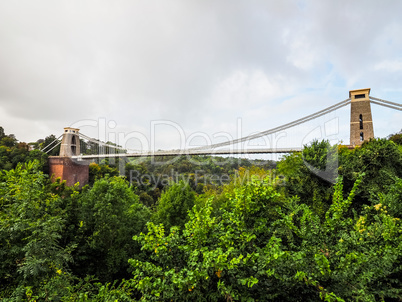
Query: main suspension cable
x,y
279,128
386,105
384,101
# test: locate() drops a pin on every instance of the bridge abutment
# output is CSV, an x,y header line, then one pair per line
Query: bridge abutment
x,y
65,167
68,169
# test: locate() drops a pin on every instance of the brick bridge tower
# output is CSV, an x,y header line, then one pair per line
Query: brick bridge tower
x,y
361,121
63,166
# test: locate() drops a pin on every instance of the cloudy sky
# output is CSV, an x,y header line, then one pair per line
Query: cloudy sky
x,y
213,67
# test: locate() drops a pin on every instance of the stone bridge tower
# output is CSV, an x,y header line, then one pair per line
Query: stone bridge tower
x,y
361,121
70,144
64,166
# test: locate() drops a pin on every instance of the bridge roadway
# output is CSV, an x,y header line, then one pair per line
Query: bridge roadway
x,y
190,152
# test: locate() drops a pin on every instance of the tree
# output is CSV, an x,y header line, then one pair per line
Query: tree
x,y
172,207
31,227
263,246
8,141
2,134
100,171
50,143
396,138
311,174
109,216
379,160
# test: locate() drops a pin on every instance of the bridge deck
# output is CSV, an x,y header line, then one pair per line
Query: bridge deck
x,y
191,152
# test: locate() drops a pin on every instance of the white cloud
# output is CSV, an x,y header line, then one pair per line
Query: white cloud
x,y
200,64
389,66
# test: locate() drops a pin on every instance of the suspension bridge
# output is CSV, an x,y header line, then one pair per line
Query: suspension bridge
x,y
67,165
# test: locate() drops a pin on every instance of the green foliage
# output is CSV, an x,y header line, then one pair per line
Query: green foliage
x,y
8,141
12,153
310,174
2,133
97,171
379,160
305,236
31,226
174,204
391,199
215,258
149,177
50,232
89,289
265,246
396,138
109,216
50,150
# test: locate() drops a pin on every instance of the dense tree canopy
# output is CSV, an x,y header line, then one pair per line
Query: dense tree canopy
x,y
324,225
174,204
12,152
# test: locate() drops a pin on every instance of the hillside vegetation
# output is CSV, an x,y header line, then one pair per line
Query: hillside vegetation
x,y
320,225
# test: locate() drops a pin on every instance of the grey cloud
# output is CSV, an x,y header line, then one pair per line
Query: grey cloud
x,y
137,61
